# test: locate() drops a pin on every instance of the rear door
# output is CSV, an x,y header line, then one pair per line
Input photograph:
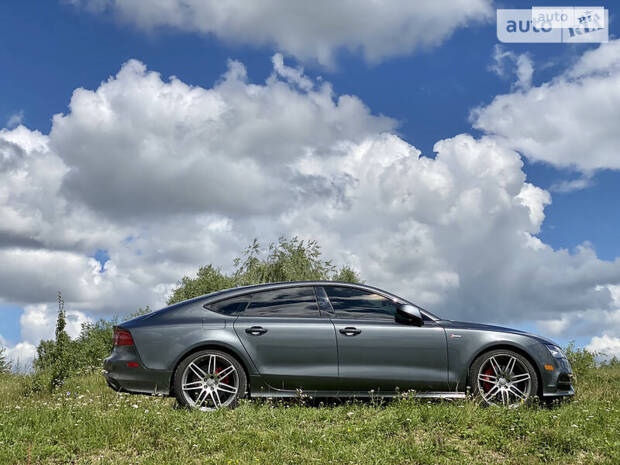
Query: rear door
x,y
376,352
291,344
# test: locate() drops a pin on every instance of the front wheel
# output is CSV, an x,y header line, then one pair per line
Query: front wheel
x,y
503,377
208,380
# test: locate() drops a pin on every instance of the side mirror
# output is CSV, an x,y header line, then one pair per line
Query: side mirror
x,y
409,315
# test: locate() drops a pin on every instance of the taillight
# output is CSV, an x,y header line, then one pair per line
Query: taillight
x,y
122,337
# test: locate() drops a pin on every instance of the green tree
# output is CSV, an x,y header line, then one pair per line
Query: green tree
x,y
141,311
284,260
55,359
5,364
62,358
209,279
347,275
92,345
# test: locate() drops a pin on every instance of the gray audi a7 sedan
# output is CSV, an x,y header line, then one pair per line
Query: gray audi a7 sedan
x,y
327,339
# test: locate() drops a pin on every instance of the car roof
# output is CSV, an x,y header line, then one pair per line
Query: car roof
x,y
242,290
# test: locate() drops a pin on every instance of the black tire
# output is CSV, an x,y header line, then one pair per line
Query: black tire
x,y
484,376
186,398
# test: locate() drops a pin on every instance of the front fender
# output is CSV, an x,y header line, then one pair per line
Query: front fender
x,y
465,345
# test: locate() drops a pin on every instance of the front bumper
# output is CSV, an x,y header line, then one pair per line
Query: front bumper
x,y
559,382
136,379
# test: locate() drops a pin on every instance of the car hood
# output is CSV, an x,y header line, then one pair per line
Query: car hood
x,y
449,324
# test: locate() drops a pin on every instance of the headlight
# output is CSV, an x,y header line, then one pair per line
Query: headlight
x,y
555,351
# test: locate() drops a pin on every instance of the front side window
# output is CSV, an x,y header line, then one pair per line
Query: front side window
x,y
360,304
297,302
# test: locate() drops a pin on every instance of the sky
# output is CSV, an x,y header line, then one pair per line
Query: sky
x,y
138,143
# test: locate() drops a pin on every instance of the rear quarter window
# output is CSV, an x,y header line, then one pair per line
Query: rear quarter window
x,y
232,306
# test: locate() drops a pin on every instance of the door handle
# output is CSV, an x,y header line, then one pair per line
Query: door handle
x,y
350,331
256,330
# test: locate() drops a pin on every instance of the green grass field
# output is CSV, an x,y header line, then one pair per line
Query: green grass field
x,y
88,423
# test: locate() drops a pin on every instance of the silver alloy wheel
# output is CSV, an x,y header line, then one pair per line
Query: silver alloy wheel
x,y
503,379
210,382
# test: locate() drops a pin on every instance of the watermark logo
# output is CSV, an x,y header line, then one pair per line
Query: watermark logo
x,y
553,25
569,17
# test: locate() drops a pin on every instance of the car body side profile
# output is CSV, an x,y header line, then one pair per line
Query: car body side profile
x,y
328,339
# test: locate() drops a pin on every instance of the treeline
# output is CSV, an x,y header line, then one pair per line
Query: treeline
x,y
284,260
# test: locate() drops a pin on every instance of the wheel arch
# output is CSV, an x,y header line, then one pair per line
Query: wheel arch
x,y
211,346
506,346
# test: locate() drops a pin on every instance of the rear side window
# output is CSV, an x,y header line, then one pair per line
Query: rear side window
x,y
297,302
230,306
359,304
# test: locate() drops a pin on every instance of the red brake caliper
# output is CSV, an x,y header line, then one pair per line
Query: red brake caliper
x,y
223,380
485,384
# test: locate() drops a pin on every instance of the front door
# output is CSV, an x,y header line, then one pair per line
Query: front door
x,y
290,343
376,352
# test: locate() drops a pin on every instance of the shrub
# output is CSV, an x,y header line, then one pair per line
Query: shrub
x,y
5,364
93,345
581,360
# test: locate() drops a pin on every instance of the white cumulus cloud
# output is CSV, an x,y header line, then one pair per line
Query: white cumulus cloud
x,y
314,30
15,119
506,63
605,346
21,355
196,143
569,122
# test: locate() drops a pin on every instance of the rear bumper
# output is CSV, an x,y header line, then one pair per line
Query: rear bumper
x,y
136,379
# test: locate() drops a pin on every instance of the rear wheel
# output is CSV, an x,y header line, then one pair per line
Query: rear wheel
x,y
209,379
503,377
